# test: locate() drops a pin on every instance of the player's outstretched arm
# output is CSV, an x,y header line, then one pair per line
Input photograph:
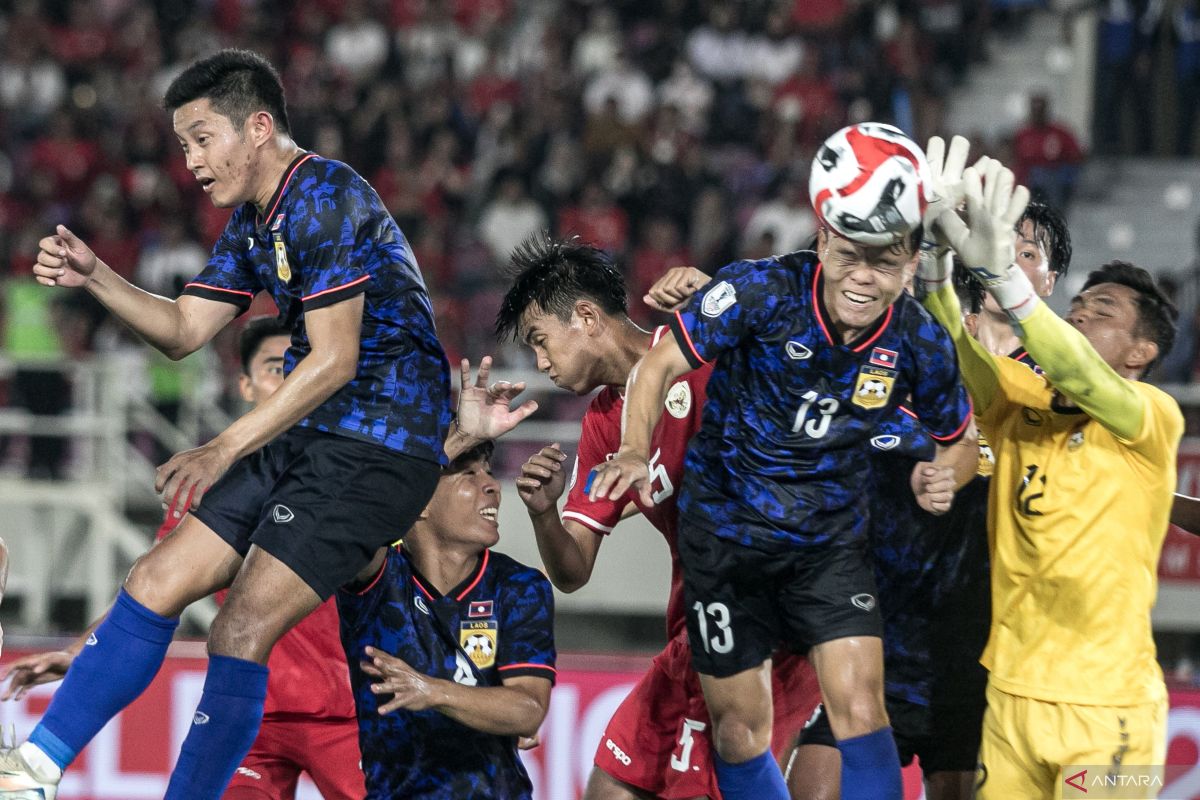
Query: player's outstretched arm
x,y
1185,513
568,549
645,392
1069,362
515,709
333,332
176,327
979,372
484,411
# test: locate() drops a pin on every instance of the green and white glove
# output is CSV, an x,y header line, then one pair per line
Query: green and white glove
x,y
984,241
935,267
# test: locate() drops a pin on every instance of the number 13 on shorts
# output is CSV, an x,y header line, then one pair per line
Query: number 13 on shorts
x,y
721,640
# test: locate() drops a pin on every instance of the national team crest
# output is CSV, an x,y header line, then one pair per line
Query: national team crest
x,y
480,608
874,387
987,458
282,268
478,640
679,400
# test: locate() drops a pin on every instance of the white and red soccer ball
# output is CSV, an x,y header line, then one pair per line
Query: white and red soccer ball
x,y
870,184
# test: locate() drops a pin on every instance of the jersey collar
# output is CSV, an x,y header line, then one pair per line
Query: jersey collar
x,y
864,339
276,198
459,592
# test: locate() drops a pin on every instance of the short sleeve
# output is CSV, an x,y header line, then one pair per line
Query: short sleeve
x,y
595,444
335,245
527,632
357,604
229,276
902,434
939,398
739,301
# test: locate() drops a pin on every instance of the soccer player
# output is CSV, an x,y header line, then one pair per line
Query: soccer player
x,y
932,571
308,722
451,650
295,497
811,351
568,304
1084,475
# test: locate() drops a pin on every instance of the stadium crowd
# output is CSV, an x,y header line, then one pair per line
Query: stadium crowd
x,y
668,132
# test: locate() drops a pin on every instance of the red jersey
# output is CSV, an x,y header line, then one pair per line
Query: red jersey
x,y
309,677
599,439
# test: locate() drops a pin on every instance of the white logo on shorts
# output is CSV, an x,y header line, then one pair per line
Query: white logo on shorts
x,y
200,719
281,514
864,601
617,752
92,641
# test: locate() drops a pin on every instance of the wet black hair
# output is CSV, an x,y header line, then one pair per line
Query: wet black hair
x,y
1156,313
257,331
236,82
552,274
1050,231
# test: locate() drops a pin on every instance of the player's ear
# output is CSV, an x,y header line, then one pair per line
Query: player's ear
x,y
1051,280
260,127
588,315
1143,353
244,388
971,323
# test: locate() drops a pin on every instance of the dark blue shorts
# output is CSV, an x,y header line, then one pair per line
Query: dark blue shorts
x,y
322,504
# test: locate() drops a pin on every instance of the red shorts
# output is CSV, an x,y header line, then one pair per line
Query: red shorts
x,y
658,739
327,750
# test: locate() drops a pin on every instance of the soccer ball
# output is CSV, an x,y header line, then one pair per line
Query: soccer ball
x,y
870,183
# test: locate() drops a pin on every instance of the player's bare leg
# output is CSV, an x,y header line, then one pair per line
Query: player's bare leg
x,y
190,563
602,786
741,709
851,674
950,786
850,671
264,602
266,599
813,772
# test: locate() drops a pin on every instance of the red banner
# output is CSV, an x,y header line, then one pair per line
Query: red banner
x,y
131,758
1181,551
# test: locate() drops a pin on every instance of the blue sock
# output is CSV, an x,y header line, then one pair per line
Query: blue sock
x,y
223,729
116,666
756,779
871,767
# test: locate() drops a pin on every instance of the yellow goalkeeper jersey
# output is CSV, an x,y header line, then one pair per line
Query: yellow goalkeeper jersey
x,y
1077,515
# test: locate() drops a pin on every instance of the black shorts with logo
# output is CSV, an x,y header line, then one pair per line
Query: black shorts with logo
x,y
744,603
944,738
320,503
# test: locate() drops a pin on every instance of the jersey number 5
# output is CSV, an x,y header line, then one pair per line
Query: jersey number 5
x,y
817,426
659,476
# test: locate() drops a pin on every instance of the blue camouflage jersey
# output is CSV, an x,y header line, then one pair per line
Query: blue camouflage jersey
x,y
781,457
327,237
499,623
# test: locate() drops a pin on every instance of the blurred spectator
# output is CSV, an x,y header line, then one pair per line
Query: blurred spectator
x,y
1185,24
1046,155
598,47
660,248
171,261
596,219
689,93
357,43
1123,66
787,216
509,218
718,50
625,84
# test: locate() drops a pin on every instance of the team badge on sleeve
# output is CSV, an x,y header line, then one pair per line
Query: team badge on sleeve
x,y
478,640
718,299
679,400
874,387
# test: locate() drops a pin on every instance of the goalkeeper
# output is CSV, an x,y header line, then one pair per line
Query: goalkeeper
x,y
1083,482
